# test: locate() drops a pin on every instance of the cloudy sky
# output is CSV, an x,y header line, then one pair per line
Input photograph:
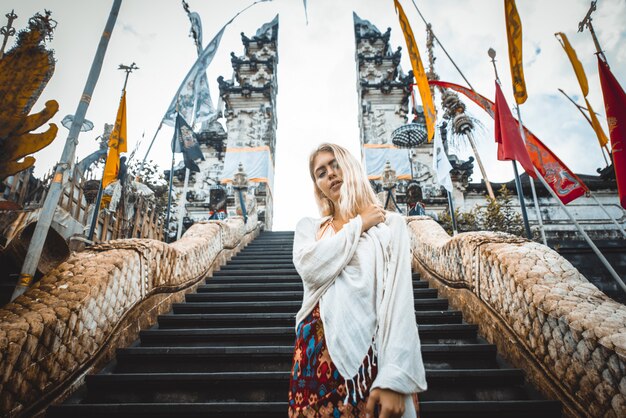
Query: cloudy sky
x,y
317,97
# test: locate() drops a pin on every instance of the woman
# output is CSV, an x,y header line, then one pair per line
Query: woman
x,y
357,350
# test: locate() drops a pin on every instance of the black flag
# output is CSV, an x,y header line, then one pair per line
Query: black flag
x,y
185,141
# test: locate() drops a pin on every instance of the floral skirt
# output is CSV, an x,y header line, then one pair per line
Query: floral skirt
x,y
316,389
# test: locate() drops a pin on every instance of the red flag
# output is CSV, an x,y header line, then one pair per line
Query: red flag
x,y
615,104
559,177
510,143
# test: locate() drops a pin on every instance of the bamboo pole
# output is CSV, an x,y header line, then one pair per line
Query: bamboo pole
x,y
470,138
621,229
138,211
603,149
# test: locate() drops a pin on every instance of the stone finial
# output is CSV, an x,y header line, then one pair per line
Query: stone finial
x,y
389,178
240,179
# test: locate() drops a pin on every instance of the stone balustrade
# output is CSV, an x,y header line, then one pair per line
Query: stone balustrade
x,y
543,315
73,319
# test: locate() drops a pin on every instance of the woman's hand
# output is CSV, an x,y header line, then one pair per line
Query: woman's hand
x,y
372,216
391,404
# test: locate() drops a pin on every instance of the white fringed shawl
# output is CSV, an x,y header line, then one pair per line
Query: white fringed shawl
x,y
364,287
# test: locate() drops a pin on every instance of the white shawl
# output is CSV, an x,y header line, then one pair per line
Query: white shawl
x,y
364,287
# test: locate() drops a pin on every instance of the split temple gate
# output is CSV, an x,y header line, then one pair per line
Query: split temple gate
x,y
204,326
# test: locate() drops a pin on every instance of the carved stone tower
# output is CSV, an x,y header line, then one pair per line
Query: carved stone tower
x,y
250,104
384,102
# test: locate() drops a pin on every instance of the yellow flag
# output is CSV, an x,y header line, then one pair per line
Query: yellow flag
x,y
514,38
584,86
595,124
117,145
418,72
578,67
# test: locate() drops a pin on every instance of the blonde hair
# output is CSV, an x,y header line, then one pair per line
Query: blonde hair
x,y
356,192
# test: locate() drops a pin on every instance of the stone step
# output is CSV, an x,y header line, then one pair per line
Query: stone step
x,y
169,410
490,409
458,385
240,261
234,278
283,295
273,240
259,266
260,258
166,337
273,245
251,320
445,409
278,306
267,249
277,358
253,271
267,254
216,286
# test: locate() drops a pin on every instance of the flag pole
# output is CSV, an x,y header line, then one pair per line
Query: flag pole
x,y
145,157
181,205
532,182
183,197
580,108
587,22
96,210
455,230
593,246
518,182
522,203
581,27
169,200
56,187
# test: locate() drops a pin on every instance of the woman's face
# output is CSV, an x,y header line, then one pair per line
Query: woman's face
x,y
328,175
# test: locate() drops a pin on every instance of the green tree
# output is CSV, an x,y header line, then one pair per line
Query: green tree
x,y
498,215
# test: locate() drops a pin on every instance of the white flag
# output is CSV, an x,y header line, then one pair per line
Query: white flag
x,y
441,164
193,99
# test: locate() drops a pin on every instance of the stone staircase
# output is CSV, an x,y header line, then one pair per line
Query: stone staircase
x,y
227,352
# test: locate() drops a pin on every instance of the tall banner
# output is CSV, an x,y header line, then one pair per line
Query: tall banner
x,y
117,144
584,86
418,72
559,177
514,39
441,164
573,58
615,104
196,29
193,98
269,30
185,141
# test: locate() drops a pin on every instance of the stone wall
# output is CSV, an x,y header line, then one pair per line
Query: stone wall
x,y
71,321
543,315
